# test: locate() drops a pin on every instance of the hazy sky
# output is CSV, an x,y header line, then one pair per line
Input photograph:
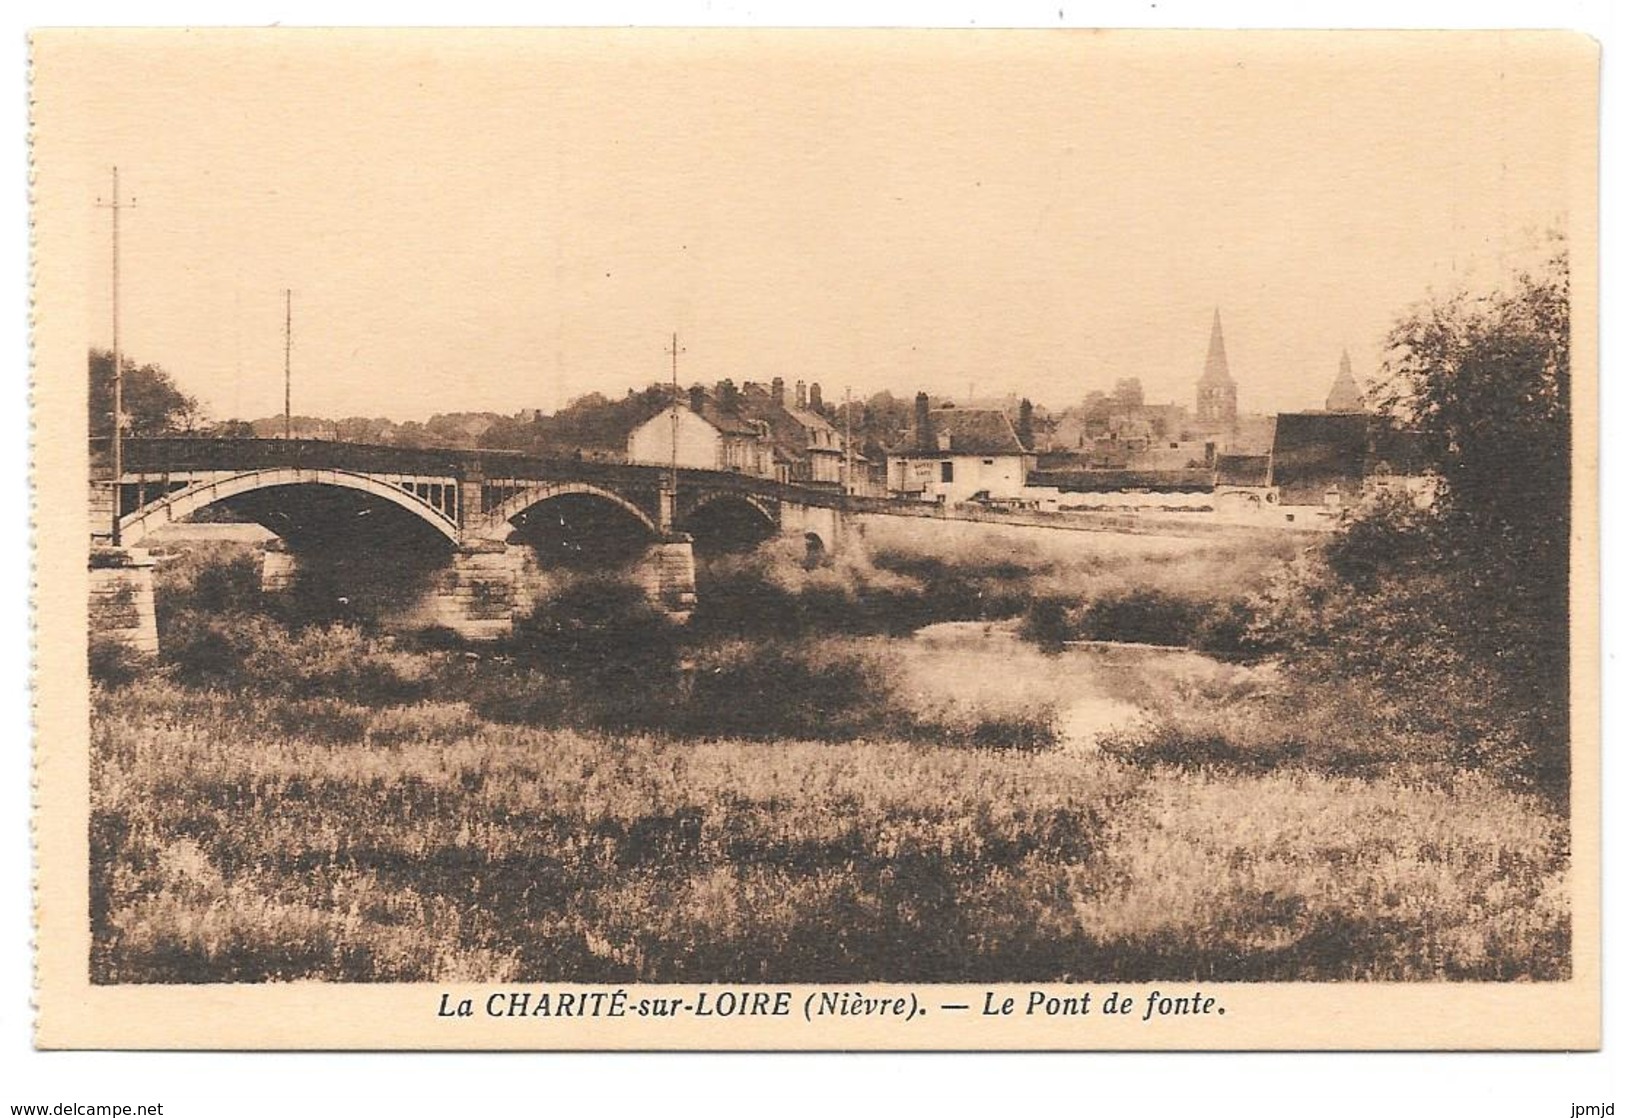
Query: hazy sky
x,y
471,223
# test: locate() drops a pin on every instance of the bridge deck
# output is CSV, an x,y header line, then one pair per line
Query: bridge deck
x,y
148,459
167,456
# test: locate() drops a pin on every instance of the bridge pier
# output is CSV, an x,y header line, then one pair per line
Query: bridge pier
x,y
278,567
826,525
121,598
482,591
667,574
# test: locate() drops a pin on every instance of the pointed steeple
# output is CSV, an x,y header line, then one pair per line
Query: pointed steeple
x,y
1217,369
1216,392
1345,393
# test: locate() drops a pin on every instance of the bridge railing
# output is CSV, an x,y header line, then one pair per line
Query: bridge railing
x,y
179,454
175,455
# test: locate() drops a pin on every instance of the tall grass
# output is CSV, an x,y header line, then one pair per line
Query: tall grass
x,y
229,845
611,798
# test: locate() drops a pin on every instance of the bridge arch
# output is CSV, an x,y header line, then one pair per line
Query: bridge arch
x,y
184,502
499,521
728,522
767,511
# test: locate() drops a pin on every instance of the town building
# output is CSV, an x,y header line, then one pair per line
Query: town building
x,y
700,435
806,447
1337,458
956,454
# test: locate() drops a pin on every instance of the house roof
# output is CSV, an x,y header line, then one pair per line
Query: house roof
x,y
715,416
968,431
790,428
1241,469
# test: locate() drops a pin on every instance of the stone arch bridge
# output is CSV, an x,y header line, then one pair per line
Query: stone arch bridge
x,y
475,511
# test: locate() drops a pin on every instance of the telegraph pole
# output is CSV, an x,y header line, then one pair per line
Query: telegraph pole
x,y
118,367
675,415
847,444
287,365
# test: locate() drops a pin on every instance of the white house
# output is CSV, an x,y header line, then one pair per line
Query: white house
x,y
955,454
702,441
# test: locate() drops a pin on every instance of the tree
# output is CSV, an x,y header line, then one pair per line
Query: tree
x,y
1459,610
1485,383
1024,423
232,429
153,404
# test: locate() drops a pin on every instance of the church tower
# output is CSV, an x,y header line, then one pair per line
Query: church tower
x,y
1345,394
1216,392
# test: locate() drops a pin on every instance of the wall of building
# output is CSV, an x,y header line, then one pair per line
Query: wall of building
x,y
699,445
826,465
999,476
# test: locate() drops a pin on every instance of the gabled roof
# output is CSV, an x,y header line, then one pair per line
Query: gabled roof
x,y
727,424
789,427
968,431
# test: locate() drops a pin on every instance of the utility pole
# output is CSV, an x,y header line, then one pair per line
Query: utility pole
x,y
118,367
287,365
675,415
847,444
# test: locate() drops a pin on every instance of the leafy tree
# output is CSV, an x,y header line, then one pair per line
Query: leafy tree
x,y
1485,383
1459,610
153,404
1024,423
232,429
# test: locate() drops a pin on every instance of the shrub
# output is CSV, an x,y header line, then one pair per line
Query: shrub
x,y
113,663
208,579
772,689
1046,624
597,628
1141,616
244,649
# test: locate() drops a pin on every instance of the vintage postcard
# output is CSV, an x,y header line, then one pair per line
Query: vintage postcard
x,y
816,539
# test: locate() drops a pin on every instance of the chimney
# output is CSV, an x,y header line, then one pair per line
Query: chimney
x,y
696,399
801,393
778,391
922,423
815,397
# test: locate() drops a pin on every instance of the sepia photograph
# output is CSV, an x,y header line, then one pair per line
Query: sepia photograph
x,y
817,539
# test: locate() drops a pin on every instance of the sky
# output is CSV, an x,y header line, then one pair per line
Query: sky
x,y
469,223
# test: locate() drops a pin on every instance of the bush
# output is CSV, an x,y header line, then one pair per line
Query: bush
x,y
1046,624
1381,605
207,579
248,650
113,663
772,689
1139,616
597,628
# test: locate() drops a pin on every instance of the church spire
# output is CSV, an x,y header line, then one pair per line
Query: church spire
x,y
1217,370
1345,394
1216,392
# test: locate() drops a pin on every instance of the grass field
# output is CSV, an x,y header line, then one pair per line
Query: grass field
x,y
288,798
240,838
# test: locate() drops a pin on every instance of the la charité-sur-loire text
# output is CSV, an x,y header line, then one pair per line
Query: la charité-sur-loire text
x,y
769,1003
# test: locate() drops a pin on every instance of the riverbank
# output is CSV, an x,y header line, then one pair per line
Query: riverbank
x,y
352,815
